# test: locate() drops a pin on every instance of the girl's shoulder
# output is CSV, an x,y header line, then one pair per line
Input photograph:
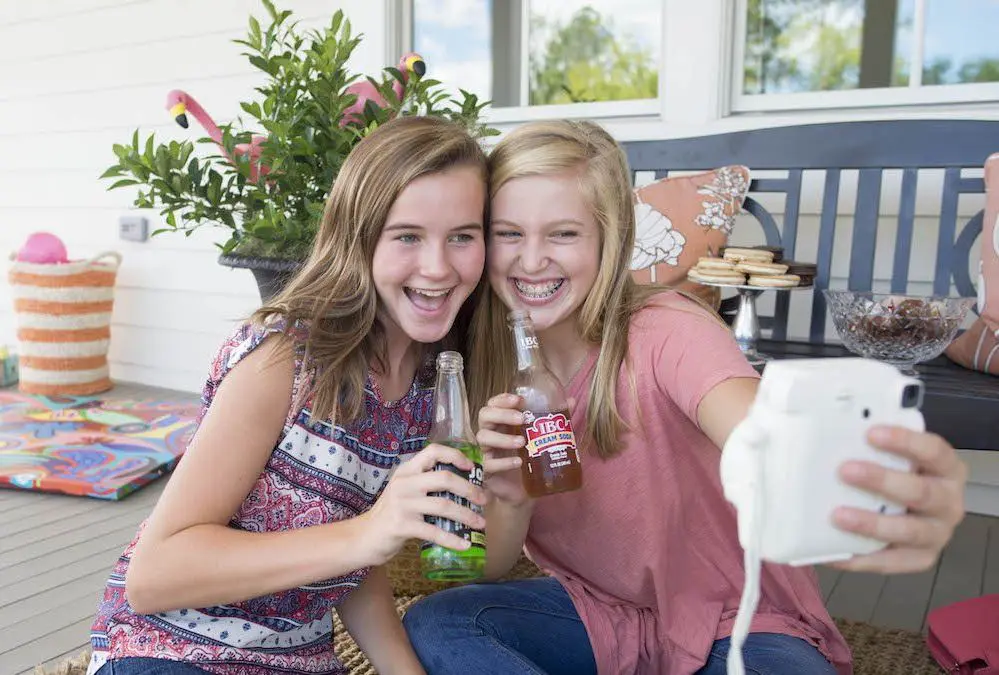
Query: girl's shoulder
x,y
669,311
244,339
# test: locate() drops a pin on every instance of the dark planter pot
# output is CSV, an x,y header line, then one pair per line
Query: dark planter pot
x,y
271,274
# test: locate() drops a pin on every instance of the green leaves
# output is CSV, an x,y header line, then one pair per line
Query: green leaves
x,y
298,109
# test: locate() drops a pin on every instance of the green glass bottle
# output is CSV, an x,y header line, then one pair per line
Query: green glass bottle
x,y
452,427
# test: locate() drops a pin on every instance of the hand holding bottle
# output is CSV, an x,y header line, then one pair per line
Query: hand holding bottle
x,y
551,458
500,436
413,493
452,427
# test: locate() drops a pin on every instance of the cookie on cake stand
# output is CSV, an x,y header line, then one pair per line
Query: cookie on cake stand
x,y
749,275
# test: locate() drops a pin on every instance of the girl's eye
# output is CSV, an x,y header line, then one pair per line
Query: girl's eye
x,y
463,238
566,234
407,238
505,234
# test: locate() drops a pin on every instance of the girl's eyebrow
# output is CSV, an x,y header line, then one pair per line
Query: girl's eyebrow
x,y
411,226
402,226
561,221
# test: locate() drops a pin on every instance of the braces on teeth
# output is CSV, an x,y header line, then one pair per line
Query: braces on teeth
x,y
538,291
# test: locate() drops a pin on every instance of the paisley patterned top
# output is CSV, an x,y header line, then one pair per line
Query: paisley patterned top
x,y
317,473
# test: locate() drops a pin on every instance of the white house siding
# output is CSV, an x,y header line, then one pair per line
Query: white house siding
x,y
77,76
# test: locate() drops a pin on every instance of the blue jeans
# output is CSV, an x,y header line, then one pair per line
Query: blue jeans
x,y
530,627
143,666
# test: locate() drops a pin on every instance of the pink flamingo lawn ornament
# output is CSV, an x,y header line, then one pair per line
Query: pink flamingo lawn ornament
x,y
410,64
179,103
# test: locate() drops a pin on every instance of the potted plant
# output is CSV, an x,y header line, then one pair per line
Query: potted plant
x,y
268,190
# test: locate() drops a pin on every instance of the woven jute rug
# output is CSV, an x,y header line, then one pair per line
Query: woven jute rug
x,y
876,651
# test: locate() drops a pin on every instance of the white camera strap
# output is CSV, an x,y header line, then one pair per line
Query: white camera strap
x,y
746,459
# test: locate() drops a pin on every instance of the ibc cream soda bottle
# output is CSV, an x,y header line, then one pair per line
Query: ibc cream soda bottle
x,y
551,459
452,427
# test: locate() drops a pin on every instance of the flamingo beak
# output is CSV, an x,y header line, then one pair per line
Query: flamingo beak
x,y
178,113
418,66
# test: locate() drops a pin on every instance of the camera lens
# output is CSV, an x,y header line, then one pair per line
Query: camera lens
x,y
912,396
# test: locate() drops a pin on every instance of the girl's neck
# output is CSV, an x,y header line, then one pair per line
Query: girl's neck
x,y
402,357
565,349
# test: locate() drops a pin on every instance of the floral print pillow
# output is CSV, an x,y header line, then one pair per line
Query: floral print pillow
x,y
679,219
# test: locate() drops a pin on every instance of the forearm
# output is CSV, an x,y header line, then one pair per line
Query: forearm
x,y
210,564
506,530
370,617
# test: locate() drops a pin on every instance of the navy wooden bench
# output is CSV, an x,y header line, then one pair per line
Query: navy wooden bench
x,y
961,405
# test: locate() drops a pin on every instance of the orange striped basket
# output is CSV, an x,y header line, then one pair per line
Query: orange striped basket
x,y
63,316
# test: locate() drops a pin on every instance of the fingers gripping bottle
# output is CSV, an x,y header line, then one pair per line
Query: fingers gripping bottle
x,y
551,459
452,427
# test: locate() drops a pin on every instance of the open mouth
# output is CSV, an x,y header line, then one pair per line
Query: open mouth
x,y
539,291
428,300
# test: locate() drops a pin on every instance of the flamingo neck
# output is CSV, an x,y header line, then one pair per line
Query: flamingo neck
x,y
397,86
204,119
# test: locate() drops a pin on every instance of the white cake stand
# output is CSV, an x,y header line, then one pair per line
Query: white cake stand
x,y
746,326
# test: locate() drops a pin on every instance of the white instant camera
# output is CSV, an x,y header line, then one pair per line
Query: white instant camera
x,y
780,465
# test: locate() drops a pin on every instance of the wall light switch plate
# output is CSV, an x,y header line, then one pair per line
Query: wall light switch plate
x,y
133,228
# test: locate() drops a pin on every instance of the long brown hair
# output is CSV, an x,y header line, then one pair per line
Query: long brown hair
x,y
333,293
586,150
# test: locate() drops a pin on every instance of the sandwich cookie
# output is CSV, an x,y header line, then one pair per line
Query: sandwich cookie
x,y
706,263
777,251
774,280
805,271
747,254
761,268
713,276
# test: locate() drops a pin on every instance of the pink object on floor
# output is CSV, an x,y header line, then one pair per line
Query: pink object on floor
x,y
963,637
43,248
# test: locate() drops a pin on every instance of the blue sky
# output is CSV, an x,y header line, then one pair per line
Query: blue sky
x,y
962,29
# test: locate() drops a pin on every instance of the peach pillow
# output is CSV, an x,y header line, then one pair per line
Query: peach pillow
x,y
679,219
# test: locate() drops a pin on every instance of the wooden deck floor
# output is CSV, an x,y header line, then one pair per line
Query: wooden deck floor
x,y
56,552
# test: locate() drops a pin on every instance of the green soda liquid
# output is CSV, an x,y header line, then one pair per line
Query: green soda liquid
x,y
445,564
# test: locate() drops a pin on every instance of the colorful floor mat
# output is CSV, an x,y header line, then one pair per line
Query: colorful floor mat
x,y
89,446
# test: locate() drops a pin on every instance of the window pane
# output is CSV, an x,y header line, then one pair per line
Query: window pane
x,y
454,37
962,41
825,45
595,50
600,50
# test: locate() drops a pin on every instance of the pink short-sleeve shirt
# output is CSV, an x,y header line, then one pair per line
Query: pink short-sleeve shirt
x,y
648,549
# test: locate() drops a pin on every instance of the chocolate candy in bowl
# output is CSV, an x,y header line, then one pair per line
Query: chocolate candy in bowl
x,y
899,329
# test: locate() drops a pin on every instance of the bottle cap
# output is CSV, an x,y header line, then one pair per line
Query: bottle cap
x,y
450,360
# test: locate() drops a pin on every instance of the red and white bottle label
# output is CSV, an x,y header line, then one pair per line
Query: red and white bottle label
x,y
551,434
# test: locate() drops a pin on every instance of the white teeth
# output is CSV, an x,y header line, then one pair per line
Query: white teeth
x,y
538,290
431,294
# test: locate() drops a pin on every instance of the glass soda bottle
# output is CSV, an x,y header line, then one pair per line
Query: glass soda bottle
x,y
452,427
551,458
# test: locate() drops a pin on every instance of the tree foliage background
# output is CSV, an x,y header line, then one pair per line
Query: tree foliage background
x,y
584,60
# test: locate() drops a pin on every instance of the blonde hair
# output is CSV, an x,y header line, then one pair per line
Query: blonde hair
x,y
333,293
586,150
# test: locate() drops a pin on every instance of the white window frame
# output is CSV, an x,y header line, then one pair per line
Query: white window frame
x,y
400,36
914,94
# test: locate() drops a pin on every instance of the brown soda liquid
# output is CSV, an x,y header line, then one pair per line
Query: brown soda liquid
x,y
551,458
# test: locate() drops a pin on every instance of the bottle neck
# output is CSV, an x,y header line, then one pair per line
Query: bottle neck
x,y
451,418
527,347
